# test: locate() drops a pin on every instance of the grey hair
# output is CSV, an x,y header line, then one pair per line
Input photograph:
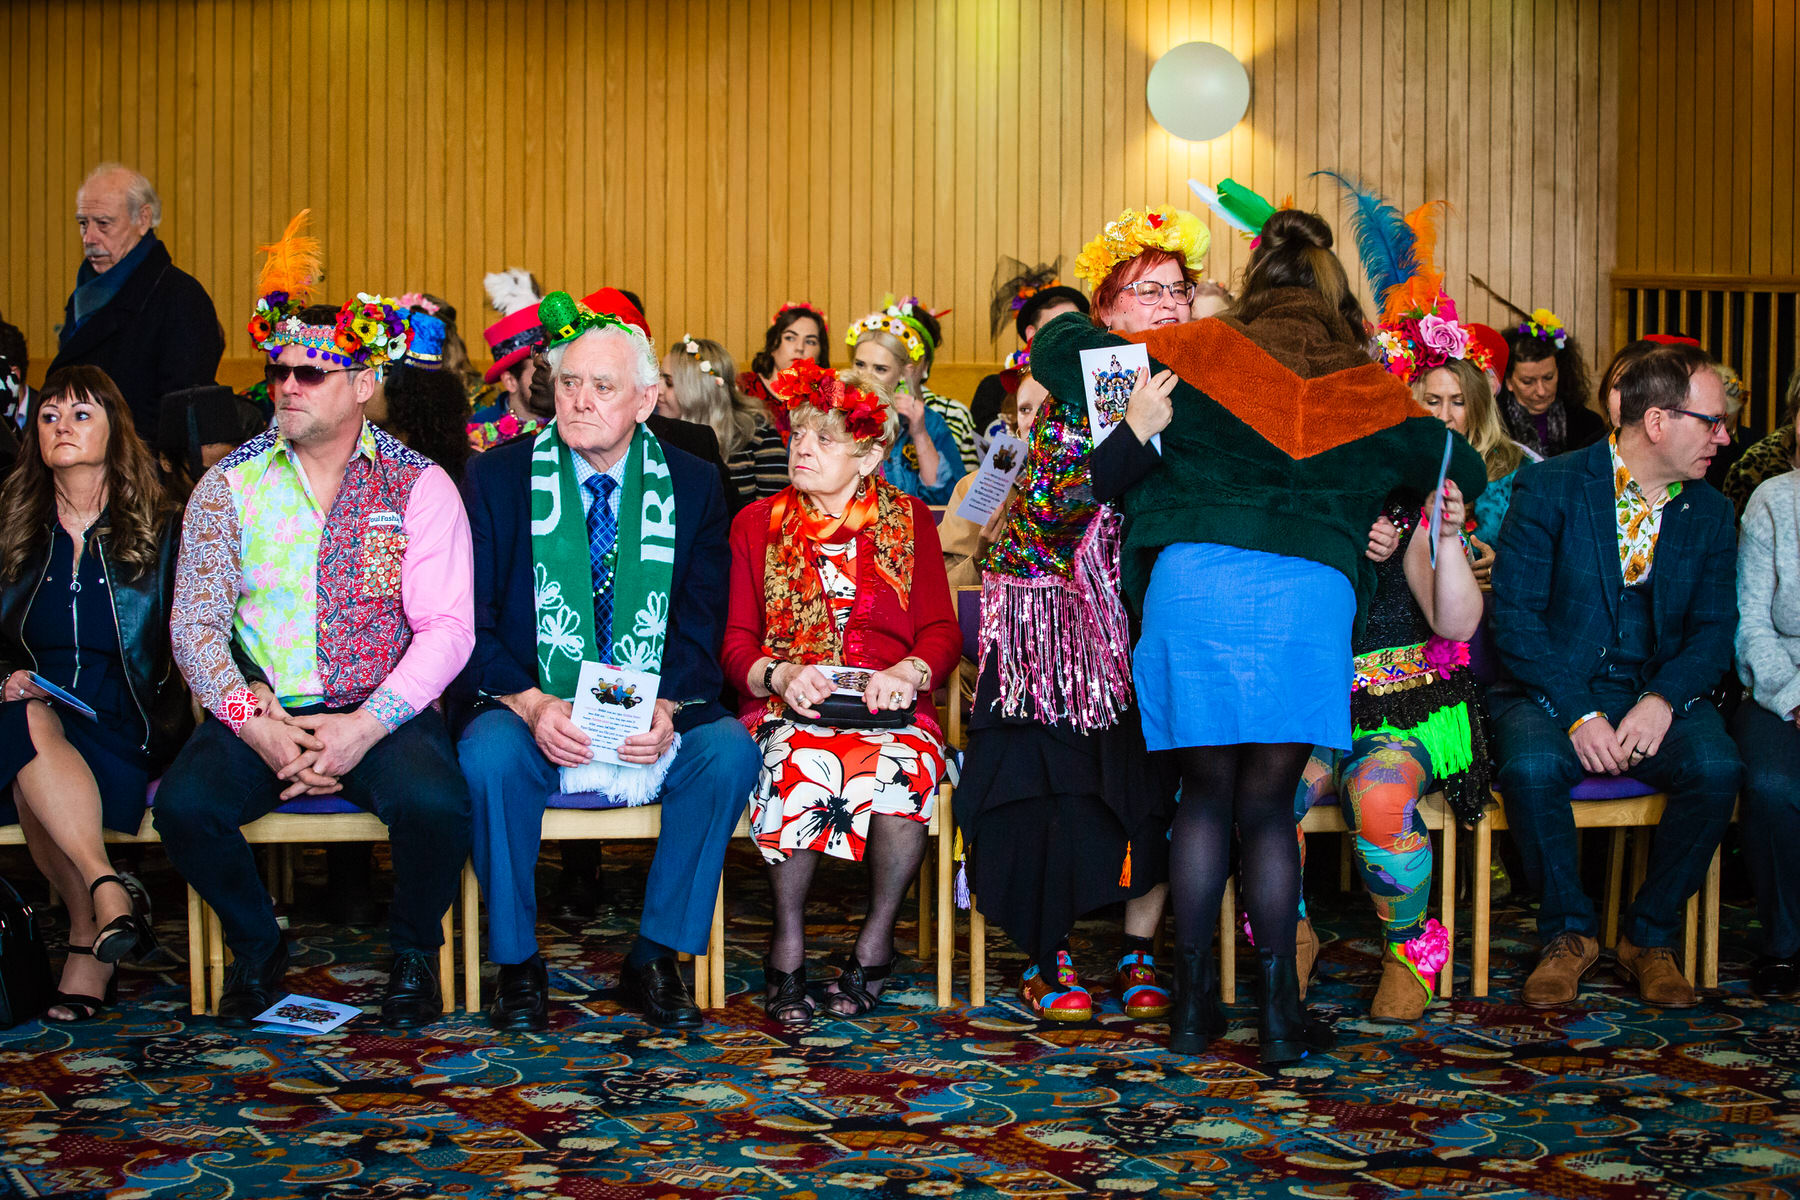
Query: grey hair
x,y
139,191
649,371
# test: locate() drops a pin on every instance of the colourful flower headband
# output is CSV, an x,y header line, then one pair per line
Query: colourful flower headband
x,y
564,319
1543,325
1019,360
1422,340
418,300
897,321
806,382
800,306
691,348
1173,229
285,284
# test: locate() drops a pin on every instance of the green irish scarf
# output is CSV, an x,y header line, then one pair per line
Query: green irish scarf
x,y
564,579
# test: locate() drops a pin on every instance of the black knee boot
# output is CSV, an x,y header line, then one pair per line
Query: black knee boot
x,y
1195,1019
1285,1030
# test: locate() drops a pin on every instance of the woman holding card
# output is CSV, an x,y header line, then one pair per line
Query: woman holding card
x,y
839,570
87,569
962,538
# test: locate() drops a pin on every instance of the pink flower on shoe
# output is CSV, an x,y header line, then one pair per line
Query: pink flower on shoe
x,y
1427,953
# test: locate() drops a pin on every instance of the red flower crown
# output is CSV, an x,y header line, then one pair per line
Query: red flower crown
x,y
806,382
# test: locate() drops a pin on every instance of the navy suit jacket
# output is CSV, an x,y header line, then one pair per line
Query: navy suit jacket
x,y
1557,585
497,492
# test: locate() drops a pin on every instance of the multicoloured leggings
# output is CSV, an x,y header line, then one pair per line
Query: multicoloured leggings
x,y
1379,783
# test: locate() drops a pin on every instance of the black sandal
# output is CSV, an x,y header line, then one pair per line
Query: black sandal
x,y
785,998
85,1008
853,983
123,933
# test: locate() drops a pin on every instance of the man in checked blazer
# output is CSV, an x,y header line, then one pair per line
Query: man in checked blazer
x,y
1615,608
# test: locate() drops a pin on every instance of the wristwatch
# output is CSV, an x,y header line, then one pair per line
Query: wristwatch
x,y
769,676
924,670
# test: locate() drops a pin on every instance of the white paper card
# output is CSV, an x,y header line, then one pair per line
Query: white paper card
x,y
1005,459
304,1014
1108,373
612,704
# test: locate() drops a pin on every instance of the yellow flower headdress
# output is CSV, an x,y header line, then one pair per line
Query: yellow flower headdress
x,y
1173,229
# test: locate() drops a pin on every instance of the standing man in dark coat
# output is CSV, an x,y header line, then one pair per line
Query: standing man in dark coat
x,y
134,313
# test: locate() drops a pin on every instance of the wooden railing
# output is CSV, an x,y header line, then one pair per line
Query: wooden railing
x,y
1750,323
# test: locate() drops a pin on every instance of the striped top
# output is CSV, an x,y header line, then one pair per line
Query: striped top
x,y
760,468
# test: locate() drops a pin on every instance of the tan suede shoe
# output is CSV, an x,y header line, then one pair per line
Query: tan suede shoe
x,y
1556,979
1659,980
1401,997
1306,952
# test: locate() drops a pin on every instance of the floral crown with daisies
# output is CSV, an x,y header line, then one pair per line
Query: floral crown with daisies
x,y
808,384
898,319
370,331
688,346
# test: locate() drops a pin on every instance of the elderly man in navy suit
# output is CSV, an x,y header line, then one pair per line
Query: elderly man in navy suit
x,y
596,543
1615,606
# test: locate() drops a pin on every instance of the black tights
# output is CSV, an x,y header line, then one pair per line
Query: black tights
x,y
1249,787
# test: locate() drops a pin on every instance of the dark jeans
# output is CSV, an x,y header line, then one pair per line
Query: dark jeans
x,y
409,779
1696,766
1769,821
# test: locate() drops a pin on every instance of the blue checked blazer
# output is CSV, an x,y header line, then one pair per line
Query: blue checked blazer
x,y
1557,585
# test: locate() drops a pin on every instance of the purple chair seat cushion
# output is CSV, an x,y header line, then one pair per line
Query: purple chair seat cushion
x,y
1610,787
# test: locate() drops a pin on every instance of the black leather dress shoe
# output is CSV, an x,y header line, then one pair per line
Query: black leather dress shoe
x,y
522,1001
250,987
412,996
1775,978
657,990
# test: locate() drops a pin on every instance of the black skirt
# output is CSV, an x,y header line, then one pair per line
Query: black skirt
x,y
1051,816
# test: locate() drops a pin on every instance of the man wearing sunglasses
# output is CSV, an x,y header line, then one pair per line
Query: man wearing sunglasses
x,y
1615,607
323,601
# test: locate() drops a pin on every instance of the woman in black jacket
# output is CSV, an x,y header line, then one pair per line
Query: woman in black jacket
x,y
88,544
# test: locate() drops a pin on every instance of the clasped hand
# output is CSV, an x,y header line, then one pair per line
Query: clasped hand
x,y
311,753
1606,750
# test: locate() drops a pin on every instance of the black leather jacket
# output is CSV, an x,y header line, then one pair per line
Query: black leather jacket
x,y
141,609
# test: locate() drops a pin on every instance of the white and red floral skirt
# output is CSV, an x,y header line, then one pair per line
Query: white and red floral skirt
x,y
819,786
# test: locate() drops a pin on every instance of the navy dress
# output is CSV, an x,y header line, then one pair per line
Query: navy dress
x,y
73,634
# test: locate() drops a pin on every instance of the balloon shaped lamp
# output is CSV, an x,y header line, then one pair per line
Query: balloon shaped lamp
x,y
1198,91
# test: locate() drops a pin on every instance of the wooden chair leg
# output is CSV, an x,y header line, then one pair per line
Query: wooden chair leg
x,y
977,955
946,920
715,951
1447,892
1228,943
1346,861
1640,856
196,931
471,947
447,960
215,960
1709,920
284,856
1615,878
1690,937
1481,900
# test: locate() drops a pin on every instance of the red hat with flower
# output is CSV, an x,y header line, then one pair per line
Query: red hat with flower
x,y
808,384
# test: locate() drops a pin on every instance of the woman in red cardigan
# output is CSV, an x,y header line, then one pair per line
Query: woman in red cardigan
x,y
839,570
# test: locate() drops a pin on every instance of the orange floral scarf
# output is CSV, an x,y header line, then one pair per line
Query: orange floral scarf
x,y
798,625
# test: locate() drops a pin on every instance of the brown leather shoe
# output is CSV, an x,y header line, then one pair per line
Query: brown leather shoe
x,y
1556,979
1401,997
1659,980
1306,952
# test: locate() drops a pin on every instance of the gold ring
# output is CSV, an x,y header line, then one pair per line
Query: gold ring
x,y
897,697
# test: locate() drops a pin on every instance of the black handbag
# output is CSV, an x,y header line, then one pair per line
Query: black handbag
x,y
24,961
840,710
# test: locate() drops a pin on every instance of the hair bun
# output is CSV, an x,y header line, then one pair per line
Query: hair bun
x,y
1292,228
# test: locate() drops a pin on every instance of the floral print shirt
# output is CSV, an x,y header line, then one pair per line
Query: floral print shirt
x,y
370,604
1639,519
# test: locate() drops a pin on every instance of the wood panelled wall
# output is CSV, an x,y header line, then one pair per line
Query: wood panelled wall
x,y
1709,108
721,156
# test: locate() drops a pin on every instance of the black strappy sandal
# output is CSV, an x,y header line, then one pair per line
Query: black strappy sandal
x,y
785,998
85,1008
853,983
123,933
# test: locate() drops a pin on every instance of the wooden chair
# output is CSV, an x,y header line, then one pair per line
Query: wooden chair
x,y
968,616
1624,806
570,818
936,872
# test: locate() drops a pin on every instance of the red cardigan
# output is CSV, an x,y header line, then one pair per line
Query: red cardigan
x,y
879,633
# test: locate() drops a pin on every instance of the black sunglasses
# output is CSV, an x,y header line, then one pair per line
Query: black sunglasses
x,y
276,374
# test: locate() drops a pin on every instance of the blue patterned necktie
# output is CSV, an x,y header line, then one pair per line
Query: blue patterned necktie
x,y
603,531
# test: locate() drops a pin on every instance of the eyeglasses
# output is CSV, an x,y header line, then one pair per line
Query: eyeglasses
x,y
1714,424
1149,291
276,374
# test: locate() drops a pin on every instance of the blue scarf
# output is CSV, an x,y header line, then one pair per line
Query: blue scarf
x,y
94,290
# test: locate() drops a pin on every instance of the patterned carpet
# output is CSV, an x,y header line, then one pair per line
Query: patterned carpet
x,y
1483,1098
